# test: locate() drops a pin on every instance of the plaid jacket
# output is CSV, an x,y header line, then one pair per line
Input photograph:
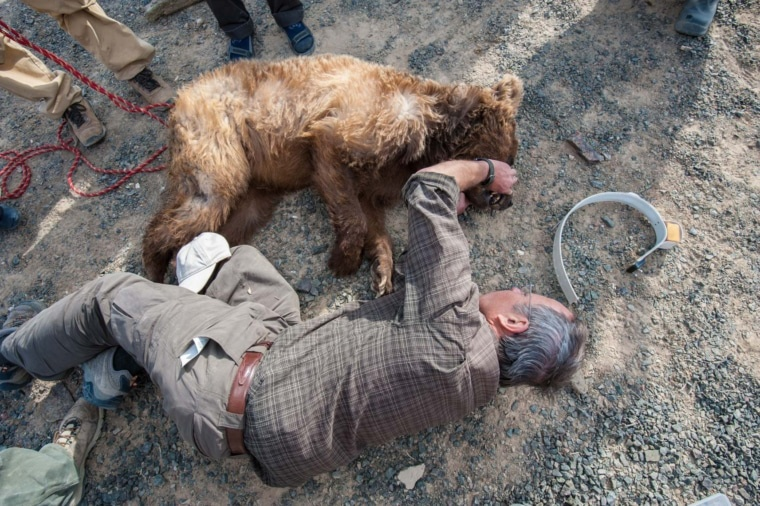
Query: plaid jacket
x,y
419,357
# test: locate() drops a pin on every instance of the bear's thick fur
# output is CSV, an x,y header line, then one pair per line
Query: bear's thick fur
x,y
249,132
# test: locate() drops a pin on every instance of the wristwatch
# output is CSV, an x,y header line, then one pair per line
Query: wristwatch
x,y
491,172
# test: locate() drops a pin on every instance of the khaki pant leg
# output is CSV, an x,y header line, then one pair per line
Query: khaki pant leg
x,y
26,76
112,43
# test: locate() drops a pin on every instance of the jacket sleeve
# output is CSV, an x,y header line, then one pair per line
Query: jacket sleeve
x,y
436,262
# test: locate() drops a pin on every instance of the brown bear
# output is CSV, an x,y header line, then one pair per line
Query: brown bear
x,y
245,134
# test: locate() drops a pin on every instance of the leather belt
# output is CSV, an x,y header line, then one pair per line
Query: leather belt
x,y
239,391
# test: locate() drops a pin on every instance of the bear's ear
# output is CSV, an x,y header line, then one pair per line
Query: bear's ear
x,y
510,89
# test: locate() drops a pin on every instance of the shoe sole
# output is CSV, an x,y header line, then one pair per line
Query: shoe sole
x,y
80,471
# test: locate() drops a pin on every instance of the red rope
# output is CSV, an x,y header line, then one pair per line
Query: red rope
x,y
18,161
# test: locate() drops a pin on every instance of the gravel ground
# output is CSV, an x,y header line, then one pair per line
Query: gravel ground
x,y
665,410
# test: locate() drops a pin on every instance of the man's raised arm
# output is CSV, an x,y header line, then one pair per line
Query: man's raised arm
x,y
436,262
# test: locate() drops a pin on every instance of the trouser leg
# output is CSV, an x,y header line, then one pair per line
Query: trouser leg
x,y
26,76
233,17
286,12
48,476
112,43
247,276
154,323
71,331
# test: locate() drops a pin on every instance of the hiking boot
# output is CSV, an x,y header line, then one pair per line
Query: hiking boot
x,y
103,385
22,313
152,88
77,434
84,124
240,48
13,377
301,39
8,218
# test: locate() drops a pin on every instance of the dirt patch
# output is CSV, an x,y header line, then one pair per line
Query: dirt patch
x,y
668,414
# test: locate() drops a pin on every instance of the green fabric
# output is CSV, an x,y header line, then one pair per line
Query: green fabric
x,y
46,477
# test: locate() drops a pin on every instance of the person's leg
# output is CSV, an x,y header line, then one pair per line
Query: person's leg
x,y
155,324
26,76
70,332
696,16
235,21
112,43
233,17
55,474
288,14
48,476
248,276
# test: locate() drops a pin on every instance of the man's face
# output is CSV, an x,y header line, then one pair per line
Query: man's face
x,y
506,302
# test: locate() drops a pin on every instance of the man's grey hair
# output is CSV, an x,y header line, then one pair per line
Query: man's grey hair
x,y
548,353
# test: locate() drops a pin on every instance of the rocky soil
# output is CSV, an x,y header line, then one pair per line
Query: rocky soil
x,y
666,408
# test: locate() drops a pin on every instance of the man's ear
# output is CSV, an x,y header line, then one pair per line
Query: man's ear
x,y
512,323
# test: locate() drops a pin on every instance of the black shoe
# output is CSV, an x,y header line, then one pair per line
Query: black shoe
x,y
9,218
301,38
240,48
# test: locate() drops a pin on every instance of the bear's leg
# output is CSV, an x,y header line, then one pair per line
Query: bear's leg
x,y
336,186
378,249
251,213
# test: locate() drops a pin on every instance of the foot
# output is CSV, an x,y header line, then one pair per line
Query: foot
x,y
696,16
103,385
382,277
240,48
77,434
301,39
13,377
8,218
151,87
85,126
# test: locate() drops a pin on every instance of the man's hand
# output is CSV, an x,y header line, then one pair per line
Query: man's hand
x,y
505,180
470,173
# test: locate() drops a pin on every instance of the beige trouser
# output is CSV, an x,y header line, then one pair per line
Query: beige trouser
x,y
112,43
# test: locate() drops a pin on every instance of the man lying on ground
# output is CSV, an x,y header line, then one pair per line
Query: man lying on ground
x,y
240,373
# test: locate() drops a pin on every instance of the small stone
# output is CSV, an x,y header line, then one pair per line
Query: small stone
x,y
693,231
652,455
584,148
579,384
304,286
411,475
608,221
